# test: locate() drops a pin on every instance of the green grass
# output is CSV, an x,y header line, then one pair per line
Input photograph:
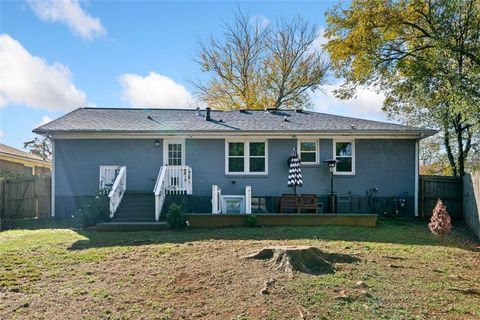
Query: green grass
x,y
48,269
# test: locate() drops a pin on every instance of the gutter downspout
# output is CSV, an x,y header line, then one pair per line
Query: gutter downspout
x,y
417,160
52,209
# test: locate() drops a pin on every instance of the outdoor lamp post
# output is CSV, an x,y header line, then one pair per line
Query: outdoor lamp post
x,y
332,199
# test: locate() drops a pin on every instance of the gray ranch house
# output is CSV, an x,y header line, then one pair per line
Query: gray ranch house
x,y
225,162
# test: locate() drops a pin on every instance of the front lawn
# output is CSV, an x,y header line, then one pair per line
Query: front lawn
x,y
396,271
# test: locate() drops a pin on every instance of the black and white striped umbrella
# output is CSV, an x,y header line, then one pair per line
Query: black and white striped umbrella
x,y
294,173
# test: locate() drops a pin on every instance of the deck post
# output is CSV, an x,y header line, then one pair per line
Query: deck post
x,y
248,199
215,199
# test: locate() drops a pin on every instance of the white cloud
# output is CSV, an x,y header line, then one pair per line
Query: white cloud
x,y
320,40
366,104
2,134
31,81
154,91
71,13
45,120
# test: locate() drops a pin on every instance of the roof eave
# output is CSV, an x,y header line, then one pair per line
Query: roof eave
x,y
420,133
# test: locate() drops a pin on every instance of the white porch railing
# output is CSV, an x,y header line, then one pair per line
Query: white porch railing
x,y
171,180
118,189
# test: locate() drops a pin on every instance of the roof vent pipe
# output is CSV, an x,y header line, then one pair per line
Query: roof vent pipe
x,y
207,114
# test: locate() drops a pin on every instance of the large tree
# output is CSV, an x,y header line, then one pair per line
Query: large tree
x,y
256,65
423,55
41,147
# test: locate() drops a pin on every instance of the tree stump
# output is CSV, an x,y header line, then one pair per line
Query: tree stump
x,y
289,259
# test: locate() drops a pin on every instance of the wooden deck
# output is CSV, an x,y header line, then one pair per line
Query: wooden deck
x,y
283,219
208,220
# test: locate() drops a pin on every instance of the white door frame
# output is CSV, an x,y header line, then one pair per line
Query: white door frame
x,y
166,142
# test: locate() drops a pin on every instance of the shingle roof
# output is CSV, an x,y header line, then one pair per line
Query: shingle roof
x,y
7,150
121,120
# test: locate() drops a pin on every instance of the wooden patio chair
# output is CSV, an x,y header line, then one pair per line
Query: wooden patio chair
x,y
289,202
309,202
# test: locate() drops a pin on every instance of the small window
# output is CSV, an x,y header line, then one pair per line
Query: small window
x,y
233,204
236,157
30,170
246,157
257,157
308,151
345,156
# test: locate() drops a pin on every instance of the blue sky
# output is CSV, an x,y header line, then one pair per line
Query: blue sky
x,y
55,56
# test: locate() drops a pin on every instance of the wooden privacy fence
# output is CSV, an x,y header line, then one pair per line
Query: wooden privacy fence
x,y
448,189
28,197
471,201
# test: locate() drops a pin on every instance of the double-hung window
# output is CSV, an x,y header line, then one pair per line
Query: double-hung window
x,y
344,151
308,151
246,157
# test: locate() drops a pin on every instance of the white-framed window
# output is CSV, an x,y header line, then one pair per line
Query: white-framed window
x,y
174,152
246,157
233,204
29,169
308,151
344,153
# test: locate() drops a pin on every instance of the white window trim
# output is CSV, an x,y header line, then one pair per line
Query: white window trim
x,y
31,167
317,151
246,159
352,141
166,142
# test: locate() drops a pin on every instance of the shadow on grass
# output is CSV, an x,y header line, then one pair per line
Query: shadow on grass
x,y
395,231
409,232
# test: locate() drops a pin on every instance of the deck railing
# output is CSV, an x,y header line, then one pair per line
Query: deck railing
x,y
118,189
171,180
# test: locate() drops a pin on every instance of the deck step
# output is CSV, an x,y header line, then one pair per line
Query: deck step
x,y
133,209
133,220
132,226
136,207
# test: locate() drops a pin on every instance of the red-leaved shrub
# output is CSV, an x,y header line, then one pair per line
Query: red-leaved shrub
x,y
440,223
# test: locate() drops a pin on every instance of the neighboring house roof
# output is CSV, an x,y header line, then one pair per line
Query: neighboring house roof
x,y
9,153
122,120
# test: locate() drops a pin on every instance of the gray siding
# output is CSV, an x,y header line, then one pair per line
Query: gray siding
x,y
77,167
77,164
388,165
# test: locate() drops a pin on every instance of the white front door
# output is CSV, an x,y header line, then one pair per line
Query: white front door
x,y
174,155
174,152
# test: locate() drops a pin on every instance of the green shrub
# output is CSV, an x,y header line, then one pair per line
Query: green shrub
x,y
175,217
95,210
251,221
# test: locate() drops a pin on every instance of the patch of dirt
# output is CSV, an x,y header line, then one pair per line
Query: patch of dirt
x,y
208,280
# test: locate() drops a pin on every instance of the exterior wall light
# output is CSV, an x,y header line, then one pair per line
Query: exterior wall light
x,y
332,198
331,164
157,143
